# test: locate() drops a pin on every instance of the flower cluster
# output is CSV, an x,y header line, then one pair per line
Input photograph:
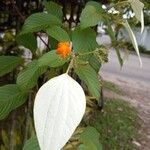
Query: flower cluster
x,y
63,49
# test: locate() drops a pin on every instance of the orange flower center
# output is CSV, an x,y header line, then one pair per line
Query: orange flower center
x,y
63,49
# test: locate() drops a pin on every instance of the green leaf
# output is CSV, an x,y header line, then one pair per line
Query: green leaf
x,y
52,59
58,33
133,39
111,33
95,64
84,40
87,74
94,8
27,78
90,16
10,98
87,146
32,144
97,5
39,21
90,139
8,63
119,56
137,7
54,9
53,43
27,40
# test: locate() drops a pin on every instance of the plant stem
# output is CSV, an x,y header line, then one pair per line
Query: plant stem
x,y
70,65
87,53
44,42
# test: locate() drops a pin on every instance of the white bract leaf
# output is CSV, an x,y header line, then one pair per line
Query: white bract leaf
x,y
137,7
133,39
58,109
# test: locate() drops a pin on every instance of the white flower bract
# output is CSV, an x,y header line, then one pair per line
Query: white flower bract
x,y
58,109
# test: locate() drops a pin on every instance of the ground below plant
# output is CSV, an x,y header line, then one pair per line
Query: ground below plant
x,y
138,96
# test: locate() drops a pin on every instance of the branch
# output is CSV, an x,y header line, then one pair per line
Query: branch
x,y
44,42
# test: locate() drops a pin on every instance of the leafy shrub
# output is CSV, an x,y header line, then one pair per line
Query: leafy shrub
x,y
71,50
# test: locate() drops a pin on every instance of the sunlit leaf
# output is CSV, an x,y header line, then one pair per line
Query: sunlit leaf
x,y
137,7
133,39
58,109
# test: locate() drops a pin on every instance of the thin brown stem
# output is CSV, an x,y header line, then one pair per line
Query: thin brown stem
x,y
70,66
44,42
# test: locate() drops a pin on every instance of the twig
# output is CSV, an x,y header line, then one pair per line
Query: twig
x,y
88,53
70,66
44,42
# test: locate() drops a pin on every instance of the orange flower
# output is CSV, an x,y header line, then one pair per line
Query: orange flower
x,y
63,49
